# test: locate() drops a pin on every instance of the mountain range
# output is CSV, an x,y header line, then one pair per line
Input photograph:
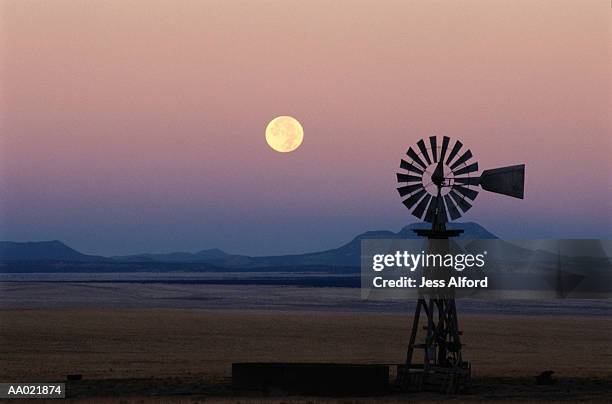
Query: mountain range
x,y
347,255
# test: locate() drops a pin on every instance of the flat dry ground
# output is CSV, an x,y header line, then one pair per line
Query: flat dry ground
x,y
44,345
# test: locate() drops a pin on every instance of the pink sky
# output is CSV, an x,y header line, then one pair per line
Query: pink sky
x,y
131,126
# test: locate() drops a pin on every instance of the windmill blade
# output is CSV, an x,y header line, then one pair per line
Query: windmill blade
x,y
408,178
434,148
408,189
423,150
414,198
454,152
466,156
469,193
445,141
431,209
463,204
441,212
415,157
505,180
452,208
410,167
436,208
467,169
420,209
468,180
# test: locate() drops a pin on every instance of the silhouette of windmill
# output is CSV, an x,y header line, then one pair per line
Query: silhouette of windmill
x,y
436,184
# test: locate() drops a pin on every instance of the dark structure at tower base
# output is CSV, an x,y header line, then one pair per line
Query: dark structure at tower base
x,y
329,379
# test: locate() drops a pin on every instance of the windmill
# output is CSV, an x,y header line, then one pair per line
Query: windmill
x,y
439,183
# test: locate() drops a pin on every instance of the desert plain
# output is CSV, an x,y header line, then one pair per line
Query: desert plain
x,y
185,355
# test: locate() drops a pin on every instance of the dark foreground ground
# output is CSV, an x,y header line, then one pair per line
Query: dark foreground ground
x,y
195,390
185,355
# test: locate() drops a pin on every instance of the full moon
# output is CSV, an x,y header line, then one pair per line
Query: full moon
x,y
284,134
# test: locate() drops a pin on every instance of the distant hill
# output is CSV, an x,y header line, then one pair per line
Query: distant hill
x,y
43,251
347,255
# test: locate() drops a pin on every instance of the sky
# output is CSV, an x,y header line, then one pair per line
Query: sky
x,y
138,126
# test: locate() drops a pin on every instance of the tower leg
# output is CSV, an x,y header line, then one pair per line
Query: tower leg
x,y
413,333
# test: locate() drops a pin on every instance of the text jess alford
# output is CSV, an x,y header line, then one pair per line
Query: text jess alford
x,y
407,282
